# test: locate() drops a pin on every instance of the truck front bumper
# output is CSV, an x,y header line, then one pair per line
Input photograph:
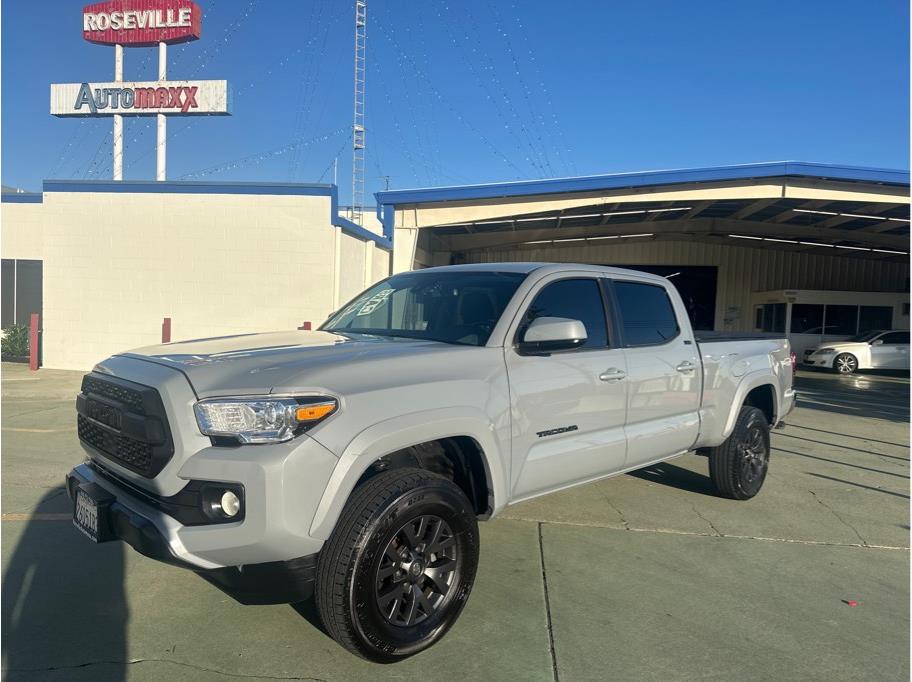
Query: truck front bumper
x,y
153,533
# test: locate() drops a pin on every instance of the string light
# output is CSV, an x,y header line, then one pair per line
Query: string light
x,y
260,157
513,122
390,37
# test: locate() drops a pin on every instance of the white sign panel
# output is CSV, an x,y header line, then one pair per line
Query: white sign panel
x,y
180,98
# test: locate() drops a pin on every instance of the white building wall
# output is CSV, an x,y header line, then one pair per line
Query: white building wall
x,y
115,264
742,270
352,270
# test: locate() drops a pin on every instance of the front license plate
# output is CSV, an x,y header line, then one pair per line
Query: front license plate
x,y
85,515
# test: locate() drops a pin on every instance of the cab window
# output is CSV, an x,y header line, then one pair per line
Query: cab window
x,y
647,316
575,299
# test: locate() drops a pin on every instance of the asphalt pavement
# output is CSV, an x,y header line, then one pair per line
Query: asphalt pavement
x,y
643,576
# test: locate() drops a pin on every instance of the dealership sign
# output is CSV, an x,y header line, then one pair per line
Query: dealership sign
x,y
138,99
141,23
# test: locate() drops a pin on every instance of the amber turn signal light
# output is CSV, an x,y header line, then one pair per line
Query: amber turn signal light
x,y
309,413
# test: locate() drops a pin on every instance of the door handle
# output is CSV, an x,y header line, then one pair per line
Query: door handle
x,y
686,366
613,374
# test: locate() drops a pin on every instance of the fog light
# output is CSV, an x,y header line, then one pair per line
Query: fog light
x,y
230,503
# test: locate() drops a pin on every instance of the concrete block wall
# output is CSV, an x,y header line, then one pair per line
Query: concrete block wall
x,y
117,263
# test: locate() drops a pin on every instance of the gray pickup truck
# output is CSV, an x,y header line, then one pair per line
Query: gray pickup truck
x,y
352,464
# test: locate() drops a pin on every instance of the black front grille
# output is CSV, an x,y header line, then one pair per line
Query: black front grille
x,y
125,422
127,396
132,454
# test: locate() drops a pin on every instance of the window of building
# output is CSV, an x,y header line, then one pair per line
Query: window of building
x,y
807,318
841,320
22,291
774,317
647,315
575,299
874,317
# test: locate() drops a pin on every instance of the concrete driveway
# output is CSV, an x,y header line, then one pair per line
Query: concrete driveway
x,y
644,576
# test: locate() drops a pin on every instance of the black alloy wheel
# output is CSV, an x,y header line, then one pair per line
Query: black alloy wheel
x,y
739,466
416,571
754,452
399,566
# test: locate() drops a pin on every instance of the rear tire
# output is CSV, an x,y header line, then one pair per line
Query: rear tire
x,y
738,467
845,363
398,569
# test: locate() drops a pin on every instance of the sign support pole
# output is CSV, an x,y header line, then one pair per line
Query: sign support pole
x,y
160,155
117,163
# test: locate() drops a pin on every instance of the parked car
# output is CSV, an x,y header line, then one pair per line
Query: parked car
x,y
353,463
879,349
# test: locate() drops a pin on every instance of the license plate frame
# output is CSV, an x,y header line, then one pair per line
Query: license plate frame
x,y
91,505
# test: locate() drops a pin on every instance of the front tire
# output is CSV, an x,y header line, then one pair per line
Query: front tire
x,y
738,467
398,569
845,363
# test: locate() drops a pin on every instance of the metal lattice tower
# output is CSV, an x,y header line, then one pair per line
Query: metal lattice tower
x,y
358,124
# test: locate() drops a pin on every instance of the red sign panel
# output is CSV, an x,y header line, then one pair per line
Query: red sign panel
x,y
141,23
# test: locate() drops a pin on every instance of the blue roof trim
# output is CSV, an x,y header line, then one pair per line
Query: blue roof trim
x,y
22,198
196,187
355,230
188,187
644,179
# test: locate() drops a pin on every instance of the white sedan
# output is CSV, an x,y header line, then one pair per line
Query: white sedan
x,y
871,350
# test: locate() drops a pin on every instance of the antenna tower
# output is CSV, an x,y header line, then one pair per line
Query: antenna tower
x,y
358,123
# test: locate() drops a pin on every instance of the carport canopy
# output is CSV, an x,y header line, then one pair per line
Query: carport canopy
x,y
857,212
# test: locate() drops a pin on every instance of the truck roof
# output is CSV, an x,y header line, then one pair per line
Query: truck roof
x,y
526,268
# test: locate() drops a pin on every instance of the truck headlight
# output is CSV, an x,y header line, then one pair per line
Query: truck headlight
x,y
262,419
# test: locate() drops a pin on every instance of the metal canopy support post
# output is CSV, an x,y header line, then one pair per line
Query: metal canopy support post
x,y
117,135
160,149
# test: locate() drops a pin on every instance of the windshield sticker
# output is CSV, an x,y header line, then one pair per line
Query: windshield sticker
x,y
374,302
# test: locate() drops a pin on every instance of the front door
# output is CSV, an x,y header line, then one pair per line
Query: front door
x,y
568,407
893,353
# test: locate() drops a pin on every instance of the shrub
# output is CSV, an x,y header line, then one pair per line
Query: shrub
x,y
15,343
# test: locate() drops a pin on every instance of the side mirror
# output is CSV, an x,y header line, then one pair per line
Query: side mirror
x,y
877,342
547,334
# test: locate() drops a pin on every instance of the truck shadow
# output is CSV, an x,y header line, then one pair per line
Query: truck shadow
x,y
64,604
673,476
308,611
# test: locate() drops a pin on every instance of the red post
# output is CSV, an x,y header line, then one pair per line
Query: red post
x,y
166,330
305,326
33,342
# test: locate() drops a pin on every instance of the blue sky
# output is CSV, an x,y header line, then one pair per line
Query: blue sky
x,y
464,91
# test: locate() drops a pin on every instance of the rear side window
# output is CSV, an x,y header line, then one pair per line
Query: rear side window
x,y
647,316
576,299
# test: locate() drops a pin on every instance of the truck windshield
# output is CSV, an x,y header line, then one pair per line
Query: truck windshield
x,y
452,307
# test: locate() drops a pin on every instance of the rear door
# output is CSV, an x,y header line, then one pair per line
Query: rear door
x,y
893,353
664,379
569,407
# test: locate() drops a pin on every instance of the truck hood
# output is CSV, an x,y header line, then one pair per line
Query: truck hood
x,y
284,362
